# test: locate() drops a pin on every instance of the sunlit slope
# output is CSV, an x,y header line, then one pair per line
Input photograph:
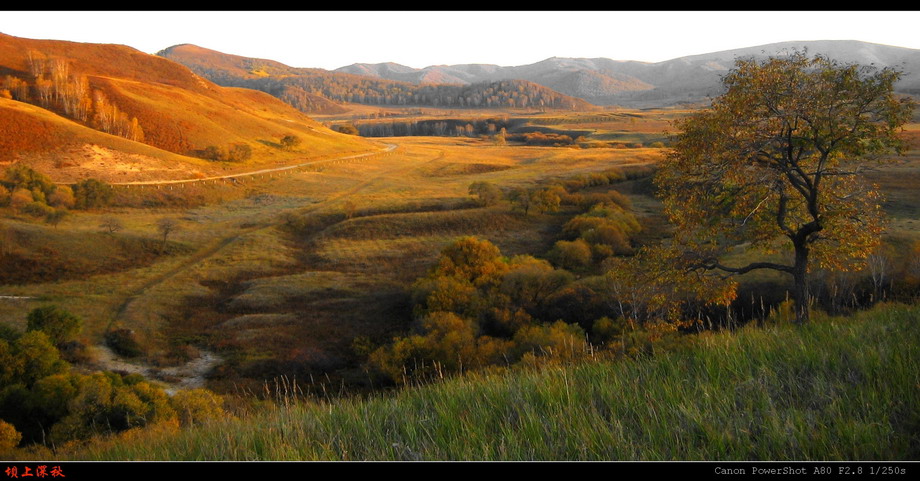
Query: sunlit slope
x,y
180,114
68,151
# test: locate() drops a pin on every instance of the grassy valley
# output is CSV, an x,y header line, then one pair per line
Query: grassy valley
x,y
402,282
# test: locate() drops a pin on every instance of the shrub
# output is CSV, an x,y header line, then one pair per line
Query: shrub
x,y
22,177
9,437
62,197
39,357
37,209
486,192
571,255
288,142
92,193
606,329
349,129
60,325
557,340
123,342
196,405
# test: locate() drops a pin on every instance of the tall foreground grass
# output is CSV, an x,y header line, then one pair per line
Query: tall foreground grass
x,y
836,389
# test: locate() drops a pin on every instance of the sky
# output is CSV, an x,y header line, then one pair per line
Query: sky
x,y
333,39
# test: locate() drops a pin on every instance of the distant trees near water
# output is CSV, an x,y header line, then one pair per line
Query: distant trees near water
x,y
497,127
55,86
435,127
365,90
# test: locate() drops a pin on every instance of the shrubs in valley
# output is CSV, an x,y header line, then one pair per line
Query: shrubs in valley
x,y
477,308
44,400
60,326
32,193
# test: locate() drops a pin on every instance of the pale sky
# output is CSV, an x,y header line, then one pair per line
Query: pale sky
x,y
332,39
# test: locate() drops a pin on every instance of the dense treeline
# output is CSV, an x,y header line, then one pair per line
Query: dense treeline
x,y
506,129
438,128
297,90
54,85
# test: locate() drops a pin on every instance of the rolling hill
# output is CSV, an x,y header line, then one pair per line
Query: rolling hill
x,y
110,111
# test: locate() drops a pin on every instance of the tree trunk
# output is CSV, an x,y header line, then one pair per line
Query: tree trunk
x,y
800,292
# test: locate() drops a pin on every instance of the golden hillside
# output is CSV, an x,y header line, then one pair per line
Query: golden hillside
x,y
77,109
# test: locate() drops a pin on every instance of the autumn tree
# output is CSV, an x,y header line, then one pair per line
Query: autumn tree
x,y
521,199
111,225
59,324
166,226
92,193
9,437
288,142
777,162
486,193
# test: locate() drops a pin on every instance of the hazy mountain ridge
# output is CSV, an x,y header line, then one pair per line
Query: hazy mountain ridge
x,y
381,84
604,81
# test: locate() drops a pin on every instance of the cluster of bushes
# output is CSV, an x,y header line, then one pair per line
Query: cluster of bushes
x,y
605,230
29,192
595,144
550,196
542,199
611,176
607,226
236,152
347,128
477,308
43,400
544,139
32,193
440,128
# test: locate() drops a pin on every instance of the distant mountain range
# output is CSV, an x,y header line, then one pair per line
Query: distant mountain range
x,y
603,81
316,91
598,81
